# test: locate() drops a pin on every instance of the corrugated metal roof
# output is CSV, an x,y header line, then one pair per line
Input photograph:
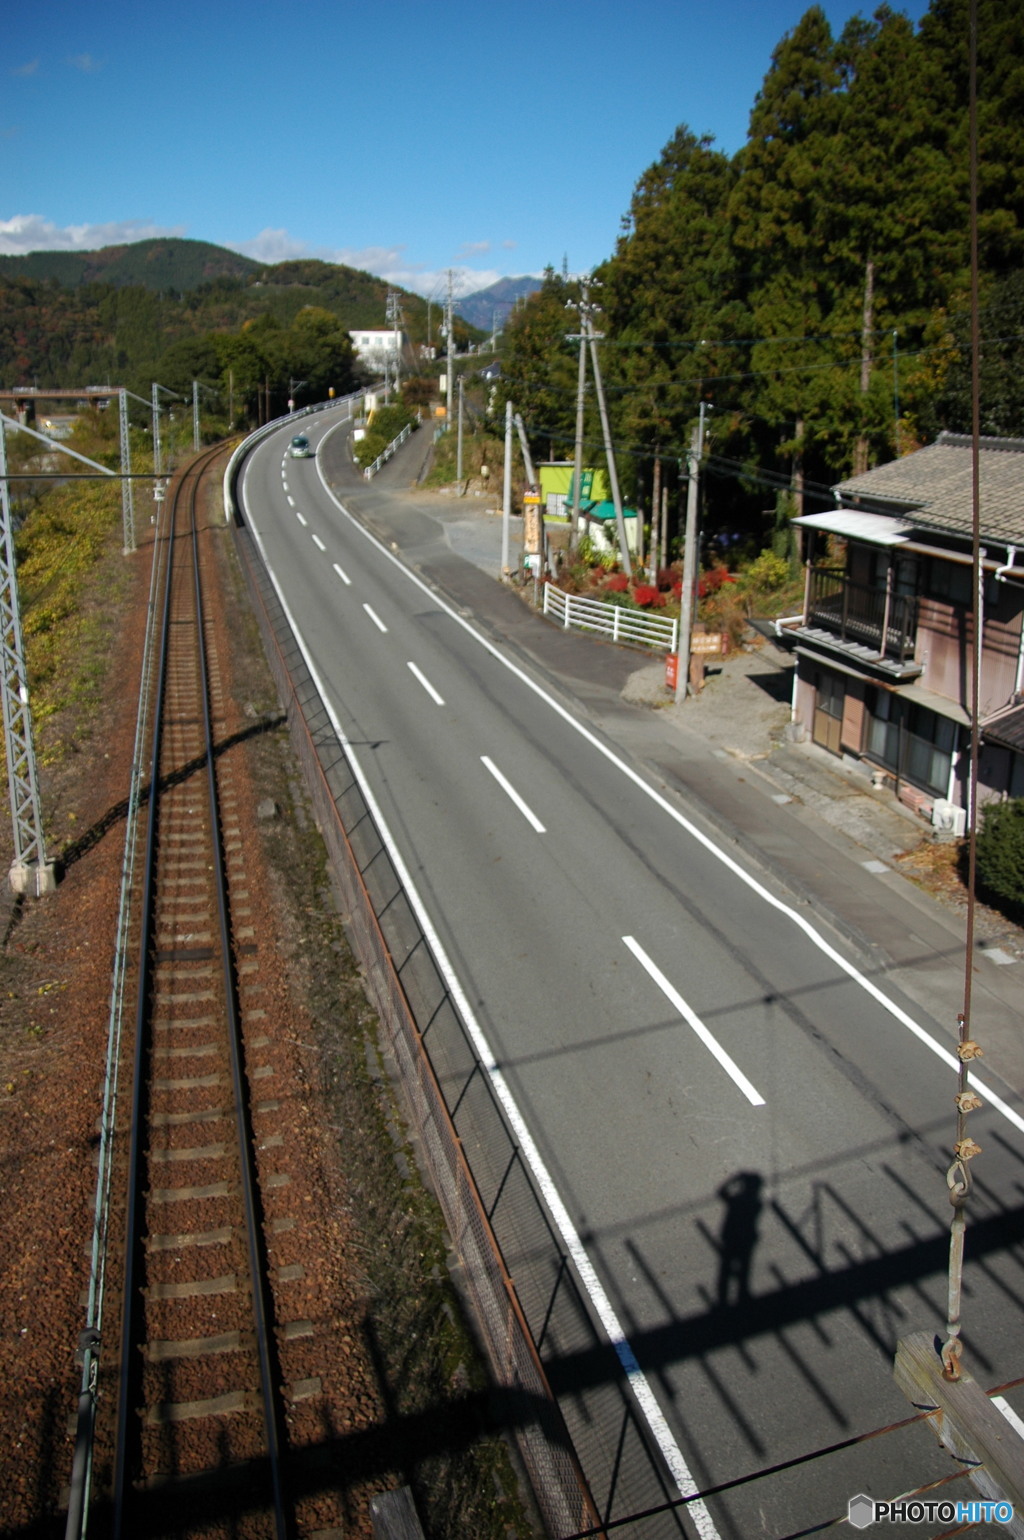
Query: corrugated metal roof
x,y
875,528
933,487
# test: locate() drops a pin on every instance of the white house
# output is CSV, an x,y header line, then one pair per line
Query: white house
x,y
380,348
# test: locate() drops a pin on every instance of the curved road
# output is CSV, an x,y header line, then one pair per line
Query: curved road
x,y
741,1138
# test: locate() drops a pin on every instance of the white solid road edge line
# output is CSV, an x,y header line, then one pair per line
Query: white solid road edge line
x,y
510,790
711,1043
425,682
1008,1412
645,1397
948,1057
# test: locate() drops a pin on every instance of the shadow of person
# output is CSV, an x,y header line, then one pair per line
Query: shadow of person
x,y
741,1195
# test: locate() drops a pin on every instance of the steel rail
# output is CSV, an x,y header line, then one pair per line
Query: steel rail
x,y
257,1257
90,1340
123,1450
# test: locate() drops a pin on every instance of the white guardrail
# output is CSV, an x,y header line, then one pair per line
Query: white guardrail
x,y
371,470
611,620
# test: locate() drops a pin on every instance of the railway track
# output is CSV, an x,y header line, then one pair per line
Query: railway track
x,y
198,1437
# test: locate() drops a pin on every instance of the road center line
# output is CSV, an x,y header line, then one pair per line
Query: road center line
x,y
507,786
587,1273
303,521
291,501
690,1016
425,682
343,575
319,543
375,618
941,1051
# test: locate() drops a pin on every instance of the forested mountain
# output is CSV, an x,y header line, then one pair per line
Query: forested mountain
x,y
811,290
166,265
69,319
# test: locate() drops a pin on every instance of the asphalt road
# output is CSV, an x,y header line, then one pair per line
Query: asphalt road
x,y
740,1137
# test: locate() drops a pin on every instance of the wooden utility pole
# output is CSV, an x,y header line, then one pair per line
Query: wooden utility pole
x,y
693,455
593,338
577,459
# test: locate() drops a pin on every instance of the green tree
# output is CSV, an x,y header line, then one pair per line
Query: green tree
x,y
318,350
538,365
671,295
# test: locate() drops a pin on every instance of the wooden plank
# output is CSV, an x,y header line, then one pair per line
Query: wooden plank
x,y
394,1516
974,1431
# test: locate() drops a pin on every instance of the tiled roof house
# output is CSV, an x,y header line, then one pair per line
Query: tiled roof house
x,y
885,644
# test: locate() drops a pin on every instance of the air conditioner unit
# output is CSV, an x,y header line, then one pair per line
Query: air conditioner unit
x,y
947,818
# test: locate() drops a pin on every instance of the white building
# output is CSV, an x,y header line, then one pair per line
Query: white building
x,y
381,348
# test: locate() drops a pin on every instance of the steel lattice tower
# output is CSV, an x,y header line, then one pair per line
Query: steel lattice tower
x,y
30,872
127,499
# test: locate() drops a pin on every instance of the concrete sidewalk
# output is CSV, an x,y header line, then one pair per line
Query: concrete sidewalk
x,y
801,816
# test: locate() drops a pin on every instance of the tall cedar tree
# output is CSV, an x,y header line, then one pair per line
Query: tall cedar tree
x,y
671,298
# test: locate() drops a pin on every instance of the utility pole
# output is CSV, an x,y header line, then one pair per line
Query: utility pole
x,y
524,444
458,461
594,338
394,317
506,501
127,498
157,467
693,455
30,871
450,335
581,385
195,416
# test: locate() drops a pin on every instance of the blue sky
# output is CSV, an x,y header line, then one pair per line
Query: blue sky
x,y
405,138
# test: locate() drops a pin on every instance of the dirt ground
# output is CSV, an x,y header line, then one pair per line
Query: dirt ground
x,y
410,1402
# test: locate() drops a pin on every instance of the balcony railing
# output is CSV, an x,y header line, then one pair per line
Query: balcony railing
x,y
861,615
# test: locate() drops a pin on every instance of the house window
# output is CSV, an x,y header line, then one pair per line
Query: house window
x,y
914,742
1016,788
948,581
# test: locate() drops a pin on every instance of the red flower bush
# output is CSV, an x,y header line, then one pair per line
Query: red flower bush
x,y
618,583
647,596
711,581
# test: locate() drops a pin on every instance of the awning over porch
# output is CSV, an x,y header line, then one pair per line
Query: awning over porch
x,y
872,528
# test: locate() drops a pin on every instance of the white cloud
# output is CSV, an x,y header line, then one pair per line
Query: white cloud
x,y
26,69
474,249
388,262
32,232
272,246
85,62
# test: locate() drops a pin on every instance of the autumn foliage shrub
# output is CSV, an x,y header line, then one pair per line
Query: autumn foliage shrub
x,y
617,583
711,581
647,596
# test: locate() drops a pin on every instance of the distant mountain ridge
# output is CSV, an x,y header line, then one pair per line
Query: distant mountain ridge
x,y
162,264
497,301
70,317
